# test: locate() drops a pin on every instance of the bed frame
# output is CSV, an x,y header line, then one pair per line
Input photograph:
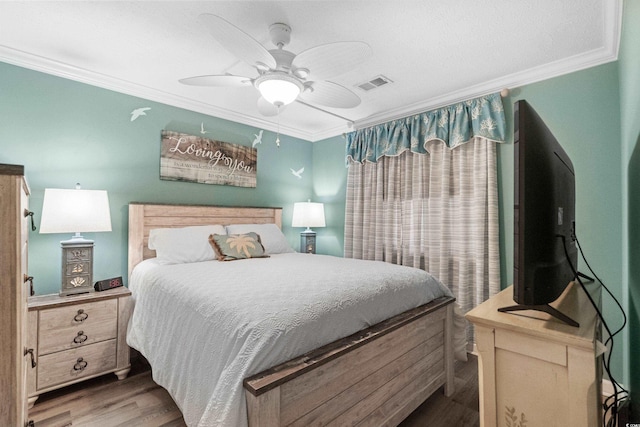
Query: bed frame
x,y
377,376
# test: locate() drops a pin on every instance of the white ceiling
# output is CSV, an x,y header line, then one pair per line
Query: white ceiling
x,y
435,52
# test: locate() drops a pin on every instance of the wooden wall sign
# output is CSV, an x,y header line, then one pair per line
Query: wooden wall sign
x,y
196,159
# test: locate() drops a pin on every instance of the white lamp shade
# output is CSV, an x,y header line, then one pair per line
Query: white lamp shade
x,y
279,89
308,214
75,211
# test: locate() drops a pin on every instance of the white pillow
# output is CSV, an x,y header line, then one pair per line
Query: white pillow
x,y
271,236
182,245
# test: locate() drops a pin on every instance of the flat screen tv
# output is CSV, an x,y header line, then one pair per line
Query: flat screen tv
x,y
545,254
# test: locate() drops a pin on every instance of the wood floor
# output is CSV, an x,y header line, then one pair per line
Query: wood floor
x,y
138,401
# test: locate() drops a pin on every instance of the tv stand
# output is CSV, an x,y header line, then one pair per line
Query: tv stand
x,y
536,368
545,308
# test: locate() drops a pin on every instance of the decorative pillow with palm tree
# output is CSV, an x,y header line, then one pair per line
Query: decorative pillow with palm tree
x,y
229,247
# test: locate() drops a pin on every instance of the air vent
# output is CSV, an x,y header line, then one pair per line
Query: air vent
x,y
374,83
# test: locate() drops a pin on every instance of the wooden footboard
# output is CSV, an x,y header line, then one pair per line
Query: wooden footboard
x,y
375,377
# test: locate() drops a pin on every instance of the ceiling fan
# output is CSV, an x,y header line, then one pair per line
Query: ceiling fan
x,y
282,76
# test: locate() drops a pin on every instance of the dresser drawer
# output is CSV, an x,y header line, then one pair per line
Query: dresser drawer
x,y
70,365
78,325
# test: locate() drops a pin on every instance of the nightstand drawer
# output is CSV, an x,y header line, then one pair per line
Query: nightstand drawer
x,y
70,365
74,326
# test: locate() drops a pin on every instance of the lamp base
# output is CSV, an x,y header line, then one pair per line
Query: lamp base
x,y
77,266
308,241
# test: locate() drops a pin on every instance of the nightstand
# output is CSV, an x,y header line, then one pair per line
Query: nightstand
x,y
77,337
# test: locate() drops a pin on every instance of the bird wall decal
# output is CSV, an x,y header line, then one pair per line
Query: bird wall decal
x,y
258,138
298,173
139,112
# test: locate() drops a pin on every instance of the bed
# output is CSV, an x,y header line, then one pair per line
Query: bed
x,y
354,366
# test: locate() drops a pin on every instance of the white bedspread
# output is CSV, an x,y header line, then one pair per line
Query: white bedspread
x,y
206,326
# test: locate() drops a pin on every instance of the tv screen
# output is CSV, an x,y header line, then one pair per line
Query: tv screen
x,y
545,255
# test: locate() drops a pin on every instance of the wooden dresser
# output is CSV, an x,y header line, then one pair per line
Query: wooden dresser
x,y
14,290
77,337
542,372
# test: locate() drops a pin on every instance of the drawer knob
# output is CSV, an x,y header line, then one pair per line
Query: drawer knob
x,y
80,338
81,316
80,365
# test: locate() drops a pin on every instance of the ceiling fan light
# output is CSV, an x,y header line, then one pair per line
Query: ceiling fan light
x,y
279,89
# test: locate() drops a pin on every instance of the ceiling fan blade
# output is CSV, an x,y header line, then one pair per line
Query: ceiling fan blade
x,y
330,94
329,60
267,109
237,41
225,80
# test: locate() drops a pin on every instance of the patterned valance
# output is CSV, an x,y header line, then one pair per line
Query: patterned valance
x,y
454,125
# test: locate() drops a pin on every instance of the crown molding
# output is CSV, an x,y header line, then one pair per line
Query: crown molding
x,y
611,30
66,71
511,81
612,14
533,75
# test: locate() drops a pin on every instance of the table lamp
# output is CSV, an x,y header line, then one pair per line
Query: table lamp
x,y
308,214
75,211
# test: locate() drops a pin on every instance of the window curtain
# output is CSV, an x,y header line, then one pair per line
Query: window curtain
x,y
422,192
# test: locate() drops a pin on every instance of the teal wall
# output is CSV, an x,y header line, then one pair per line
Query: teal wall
x,y
582,111
329,187
65,132
629,60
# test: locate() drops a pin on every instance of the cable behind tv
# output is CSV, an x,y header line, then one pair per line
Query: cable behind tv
x,y
620,394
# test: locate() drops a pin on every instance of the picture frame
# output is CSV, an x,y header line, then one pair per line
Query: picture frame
x,y
192,158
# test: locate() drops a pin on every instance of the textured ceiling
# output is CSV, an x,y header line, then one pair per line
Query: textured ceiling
x,y
434,52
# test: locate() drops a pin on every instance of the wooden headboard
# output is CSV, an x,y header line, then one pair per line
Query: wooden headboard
x,y
145,216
